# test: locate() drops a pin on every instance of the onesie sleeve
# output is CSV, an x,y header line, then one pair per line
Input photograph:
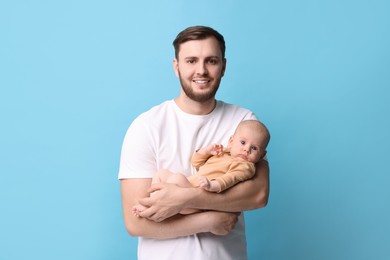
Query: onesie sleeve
x,y
198,159
238,172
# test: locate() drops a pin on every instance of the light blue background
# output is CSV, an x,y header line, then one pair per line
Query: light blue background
x,y
74,74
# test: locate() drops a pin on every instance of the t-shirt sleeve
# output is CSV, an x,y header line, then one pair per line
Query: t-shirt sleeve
x,y
138,152
250,116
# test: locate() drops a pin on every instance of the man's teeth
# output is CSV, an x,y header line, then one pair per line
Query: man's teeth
x,y
201,81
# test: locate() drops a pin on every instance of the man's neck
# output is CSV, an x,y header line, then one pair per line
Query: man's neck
x,y
193,107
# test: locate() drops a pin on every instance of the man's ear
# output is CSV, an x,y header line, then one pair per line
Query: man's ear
x,y
223,67
176,67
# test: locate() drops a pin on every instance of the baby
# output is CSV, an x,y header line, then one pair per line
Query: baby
x,y
219,168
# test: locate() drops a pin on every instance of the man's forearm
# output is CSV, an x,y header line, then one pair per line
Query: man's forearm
x,y
176,226
217,223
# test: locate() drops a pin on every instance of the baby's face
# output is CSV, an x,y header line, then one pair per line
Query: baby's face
x,y
246,144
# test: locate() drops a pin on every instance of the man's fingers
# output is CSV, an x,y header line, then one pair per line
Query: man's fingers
x,y
147,213
155,187
151,214
145,202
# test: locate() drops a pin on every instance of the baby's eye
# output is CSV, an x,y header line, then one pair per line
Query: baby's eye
x,y
254,148
242,142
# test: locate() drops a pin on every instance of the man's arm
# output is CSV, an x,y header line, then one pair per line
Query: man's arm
x,y
218,223
247,195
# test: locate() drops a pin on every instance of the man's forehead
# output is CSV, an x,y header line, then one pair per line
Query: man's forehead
x,y
208,47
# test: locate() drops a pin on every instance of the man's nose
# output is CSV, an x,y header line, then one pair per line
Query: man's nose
x,y
201,68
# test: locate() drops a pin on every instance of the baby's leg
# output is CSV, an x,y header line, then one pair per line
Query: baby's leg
x,y
179,179
162,176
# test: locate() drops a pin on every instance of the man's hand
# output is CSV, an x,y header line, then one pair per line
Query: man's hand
x,y
176,226
167,200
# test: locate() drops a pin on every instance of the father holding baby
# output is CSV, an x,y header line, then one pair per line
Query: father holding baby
x,y
165,137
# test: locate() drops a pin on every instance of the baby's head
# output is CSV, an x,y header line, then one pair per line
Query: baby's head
x,y
249,141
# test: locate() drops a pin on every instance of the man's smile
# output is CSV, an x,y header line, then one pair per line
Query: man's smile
x,y
198,81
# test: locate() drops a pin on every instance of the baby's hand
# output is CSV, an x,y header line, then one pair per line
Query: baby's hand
x,y
212,149
217,149
212,186
204,183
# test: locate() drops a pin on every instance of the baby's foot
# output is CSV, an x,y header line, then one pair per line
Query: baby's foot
x,y
137,209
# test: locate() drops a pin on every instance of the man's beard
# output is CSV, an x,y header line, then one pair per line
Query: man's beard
x,y
199,97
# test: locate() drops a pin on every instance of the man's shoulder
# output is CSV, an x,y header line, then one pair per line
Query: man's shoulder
x,y
156,111
160,107
234,110
228,106
153,117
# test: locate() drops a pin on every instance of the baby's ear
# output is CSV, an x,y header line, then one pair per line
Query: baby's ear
x,y
264,153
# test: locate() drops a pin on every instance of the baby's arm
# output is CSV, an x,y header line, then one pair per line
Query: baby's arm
x,y
210,150
237,172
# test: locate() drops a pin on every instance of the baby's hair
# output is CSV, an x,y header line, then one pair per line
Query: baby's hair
x,y
260,127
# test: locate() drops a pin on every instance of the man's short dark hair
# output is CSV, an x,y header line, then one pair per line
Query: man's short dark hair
x,y
198,33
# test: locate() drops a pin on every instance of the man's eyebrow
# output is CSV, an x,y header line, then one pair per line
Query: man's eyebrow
x,y
208,57
190,57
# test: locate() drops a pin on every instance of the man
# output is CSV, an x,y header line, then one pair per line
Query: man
x,y
165,138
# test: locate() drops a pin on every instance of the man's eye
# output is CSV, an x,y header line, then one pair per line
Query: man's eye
x,y
213,62
190,61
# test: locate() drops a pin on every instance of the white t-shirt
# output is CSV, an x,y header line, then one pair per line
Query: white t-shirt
x,y
166,137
